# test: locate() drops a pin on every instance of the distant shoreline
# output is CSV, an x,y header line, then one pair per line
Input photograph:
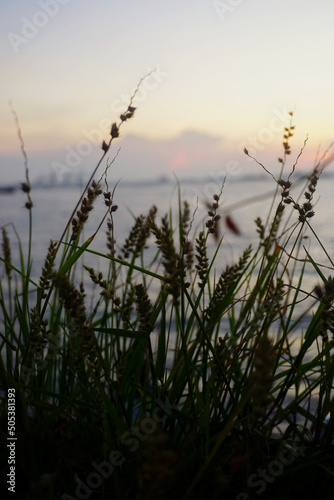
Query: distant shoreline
x,y
10,188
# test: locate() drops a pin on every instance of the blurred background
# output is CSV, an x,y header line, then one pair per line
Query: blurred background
x,y
223,76
208,78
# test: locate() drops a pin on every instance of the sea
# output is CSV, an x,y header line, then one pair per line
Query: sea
x,y
242,200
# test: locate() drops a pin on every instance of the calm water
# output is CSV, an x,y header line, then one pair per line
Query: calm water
x,y
243,199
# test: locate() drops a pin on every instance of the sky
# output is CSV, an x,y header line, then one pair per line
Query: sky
x,y
223,75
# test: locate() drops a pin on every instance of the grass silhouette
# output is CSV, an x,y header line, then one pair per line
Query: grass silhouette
x,y
198,390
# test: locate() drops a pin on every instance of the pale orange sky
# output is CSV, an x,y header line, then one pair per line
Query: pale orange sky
x,y
225,74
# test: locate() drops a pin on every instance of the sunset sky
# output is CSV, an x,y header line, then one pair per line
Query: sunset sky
x,y
224,75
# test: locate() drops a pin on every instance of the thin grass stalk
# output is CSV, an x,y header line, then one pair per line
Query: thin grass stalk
x,y
310,336
320,243
114,133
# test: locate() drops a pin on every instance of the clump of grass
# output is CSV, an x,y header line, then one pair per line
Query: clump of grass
x,y
180,380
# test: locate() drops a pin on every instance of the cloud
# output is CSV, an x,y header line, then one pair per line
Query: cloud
x,y
190,154
187,154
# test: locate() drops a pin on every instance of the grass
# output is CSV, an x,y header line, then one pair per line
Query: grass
x,y
178,382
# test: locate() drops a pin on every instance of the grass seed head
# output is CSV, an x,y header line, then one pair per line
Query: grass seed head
x,y
6,252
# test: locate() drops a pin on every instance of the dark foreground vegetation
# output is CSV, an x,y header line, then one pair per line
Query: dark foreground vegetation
x,y
179,381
